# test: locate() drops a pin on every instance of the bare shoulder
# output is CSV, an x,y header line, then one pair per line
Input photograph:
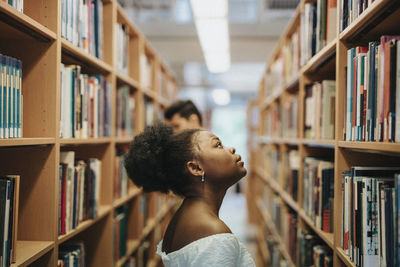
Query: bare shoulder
x,y
193,225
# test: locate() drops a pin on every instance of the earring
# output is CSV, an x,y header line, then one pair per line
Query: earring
x,y
202,178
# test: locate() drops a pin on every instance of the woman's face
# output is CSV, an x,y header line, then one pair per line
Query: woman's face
x,y
220,164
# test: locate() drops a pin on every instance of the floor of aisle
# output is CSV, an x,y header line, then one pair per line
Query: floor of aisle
x,y
234,213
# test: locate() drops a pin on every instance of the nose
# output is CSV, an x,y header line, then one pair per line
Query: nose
x,y
233,150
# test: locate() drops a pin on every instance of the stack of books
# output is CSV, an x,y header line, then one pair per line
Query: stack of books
x,y
370,226
79,190
85,104
9,196
11,100
372,90
82,24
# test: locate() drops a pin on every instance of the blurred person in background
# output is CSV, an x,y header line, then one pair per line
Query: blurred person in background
x,y
183,115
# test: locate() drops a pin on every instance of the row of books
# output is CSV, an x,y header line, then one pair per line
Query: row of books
x,y
291,163
319,114
152,113
282,120
275,259
125,112
312,252
120,232
79,190
371,210
9,194
317,27
166,87
284,219
351,10
11,99
71,255
318,186
18,4
291,57
85,104
121,179
82,24
271,161
121,48
146,71
372,90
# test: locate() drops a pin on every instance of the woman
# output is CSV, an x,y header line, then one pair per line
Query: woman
x,y
195,165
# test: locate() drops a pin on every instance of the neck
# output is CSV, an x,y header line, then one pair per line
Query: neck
x,y
213,198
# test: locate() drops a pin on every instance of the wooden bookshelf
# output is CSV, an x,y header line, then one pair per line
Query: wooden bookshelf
x,y
382,17
34,37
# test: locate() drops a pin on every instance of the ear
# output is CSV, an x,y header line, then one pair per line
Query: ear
x,y
194,168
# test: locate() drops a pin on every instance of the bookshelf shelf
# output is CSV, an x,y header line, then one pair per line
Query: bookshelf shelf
x,y
82,57
29,251
84,141
13,18
133,192
320,143
295,163
343,256
371,146
27,142
271,226
376,9
131,247
123,140
263,249
154,262
34,36
149,93
103,211
127,80
326,54
277,188
327,237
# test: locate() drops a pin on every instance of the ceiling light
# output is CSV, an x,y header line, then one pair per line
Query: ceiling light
x,y
221,97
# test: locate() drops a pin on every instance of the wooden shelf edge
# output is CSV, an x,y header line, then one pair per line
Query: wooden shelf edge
x,y
126,79
373,146
270,224
84,141
281,192
263,248
326,237
154,261
27,142
375,8
344,257
103,211
83,56
320,57
31,251
319,142
132,246
123,140
27,24
131,194
149,93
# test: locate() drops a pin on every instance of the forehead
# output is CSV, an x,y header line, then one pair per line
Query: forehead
x,y
177,118
206,136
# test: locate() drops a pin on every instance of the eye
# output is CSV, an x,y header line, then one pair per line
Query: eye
x,y
219,144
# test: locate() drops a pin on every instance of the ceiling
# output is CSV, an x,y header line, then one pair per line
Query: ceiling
x,y
254,31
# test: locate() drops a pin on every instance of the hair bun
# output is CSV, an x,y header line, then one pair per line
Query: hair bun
x,y
145,160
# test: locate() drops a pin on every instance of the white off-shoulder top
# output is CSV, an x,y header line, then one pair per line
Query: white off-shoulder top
x,y
219,250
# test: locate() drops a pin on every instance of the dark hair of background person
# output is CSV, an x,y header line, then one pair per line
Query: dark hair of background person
x,y
184,108
157,159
